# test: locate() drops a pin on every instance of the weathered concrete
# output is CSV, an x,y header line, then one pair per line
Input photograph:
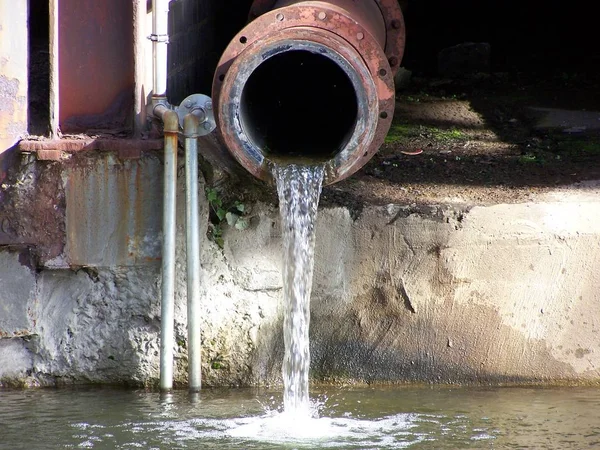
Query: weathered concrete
x,y
13,73
16,362
33,208
446,293
112,212
17,294
96,326
502,293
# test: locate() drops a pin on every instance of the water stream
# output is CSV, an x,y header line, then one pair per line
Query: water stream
x,y
299,188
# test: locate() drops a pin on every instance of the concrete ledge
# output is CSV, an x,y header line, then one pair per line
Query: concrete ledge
x,y
59,149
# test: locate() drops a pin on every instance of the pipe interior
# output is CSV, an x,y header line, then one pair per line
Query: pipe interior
x,y
299,104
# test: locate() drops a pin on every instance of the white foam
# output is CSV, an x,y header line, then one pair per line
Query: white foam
x,y
327,432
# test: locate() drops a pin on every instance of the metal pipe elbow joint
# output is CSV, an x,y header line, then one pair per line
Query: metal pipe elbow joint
x,y
310,81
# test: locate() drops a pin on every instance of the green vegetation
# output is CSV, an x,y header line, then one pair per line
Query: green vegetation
x,y
402,132
569,146
582,145
399,132
560,146
529,158
232,214
425,97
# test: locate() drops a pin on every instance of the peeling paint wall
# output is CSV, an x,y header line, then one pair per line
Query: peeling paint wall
x,y
13,73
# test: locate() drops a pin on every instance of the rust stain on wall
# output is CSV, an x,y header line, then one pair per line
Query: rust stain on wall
x,y
112,211
33,208
95,64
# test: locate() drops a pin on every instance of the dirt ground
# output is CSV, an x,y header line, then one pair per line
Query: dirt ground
x,y
477,141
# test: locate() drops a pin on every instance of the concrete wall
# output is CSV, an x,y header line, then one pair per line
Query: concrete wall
x,y
447,293
13,73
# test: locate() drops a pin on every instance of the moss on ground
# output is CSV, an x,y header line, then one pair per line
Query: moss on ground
x,y
403,132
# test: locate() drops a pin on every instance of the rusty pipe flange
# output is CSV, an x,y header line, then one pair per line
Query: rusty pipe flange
x,y
346,38
240,110
389,10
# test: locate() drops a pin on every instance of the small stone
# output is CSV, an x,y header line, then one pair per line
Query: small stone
x,y
450,344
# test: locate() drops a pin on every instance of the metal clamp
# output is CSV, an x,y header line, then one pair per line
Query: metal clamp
x,y
159,38
201,106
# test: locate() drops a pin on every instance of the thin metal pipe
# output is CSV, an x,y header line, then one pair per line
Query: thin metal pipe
x,y
167,331
160,39
54,72
160,109
190,132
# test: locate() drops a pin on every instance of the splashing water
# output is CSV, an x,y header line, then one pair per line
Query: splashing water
x,y
299,188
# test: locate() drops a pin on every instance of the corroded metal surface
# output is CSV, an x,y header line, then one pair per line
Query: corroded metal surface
x,y
393,39
350,34
96,64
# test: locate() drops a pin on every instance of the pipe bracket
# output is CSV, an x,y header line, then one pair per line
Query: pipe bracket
x,y
159,38
201,106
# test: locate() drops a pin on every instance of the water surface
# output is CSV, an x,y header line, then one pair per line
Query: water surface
x,y
377,418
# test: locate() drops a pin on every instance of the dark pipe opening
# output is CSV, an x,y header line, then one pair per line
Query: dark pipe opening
x,y
299,103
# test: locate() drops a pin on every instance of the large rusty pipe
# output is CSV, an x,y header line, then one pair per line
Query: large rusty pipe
x,y
310,81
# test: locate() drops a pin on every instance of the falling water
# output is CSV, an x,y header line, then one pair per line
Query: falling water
x,y
299,188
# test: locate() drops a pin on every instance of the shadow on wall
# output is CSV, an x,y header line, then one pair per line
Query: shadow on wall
x,y
199,31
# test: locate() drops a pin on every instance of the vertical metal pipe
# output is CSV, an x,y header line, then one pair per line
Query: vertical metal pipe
x,y
190,132
167,332
160,39
53,49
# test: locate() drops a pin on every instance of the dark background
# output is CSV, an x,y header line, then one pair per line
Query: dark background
x,y
524,35
533,36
